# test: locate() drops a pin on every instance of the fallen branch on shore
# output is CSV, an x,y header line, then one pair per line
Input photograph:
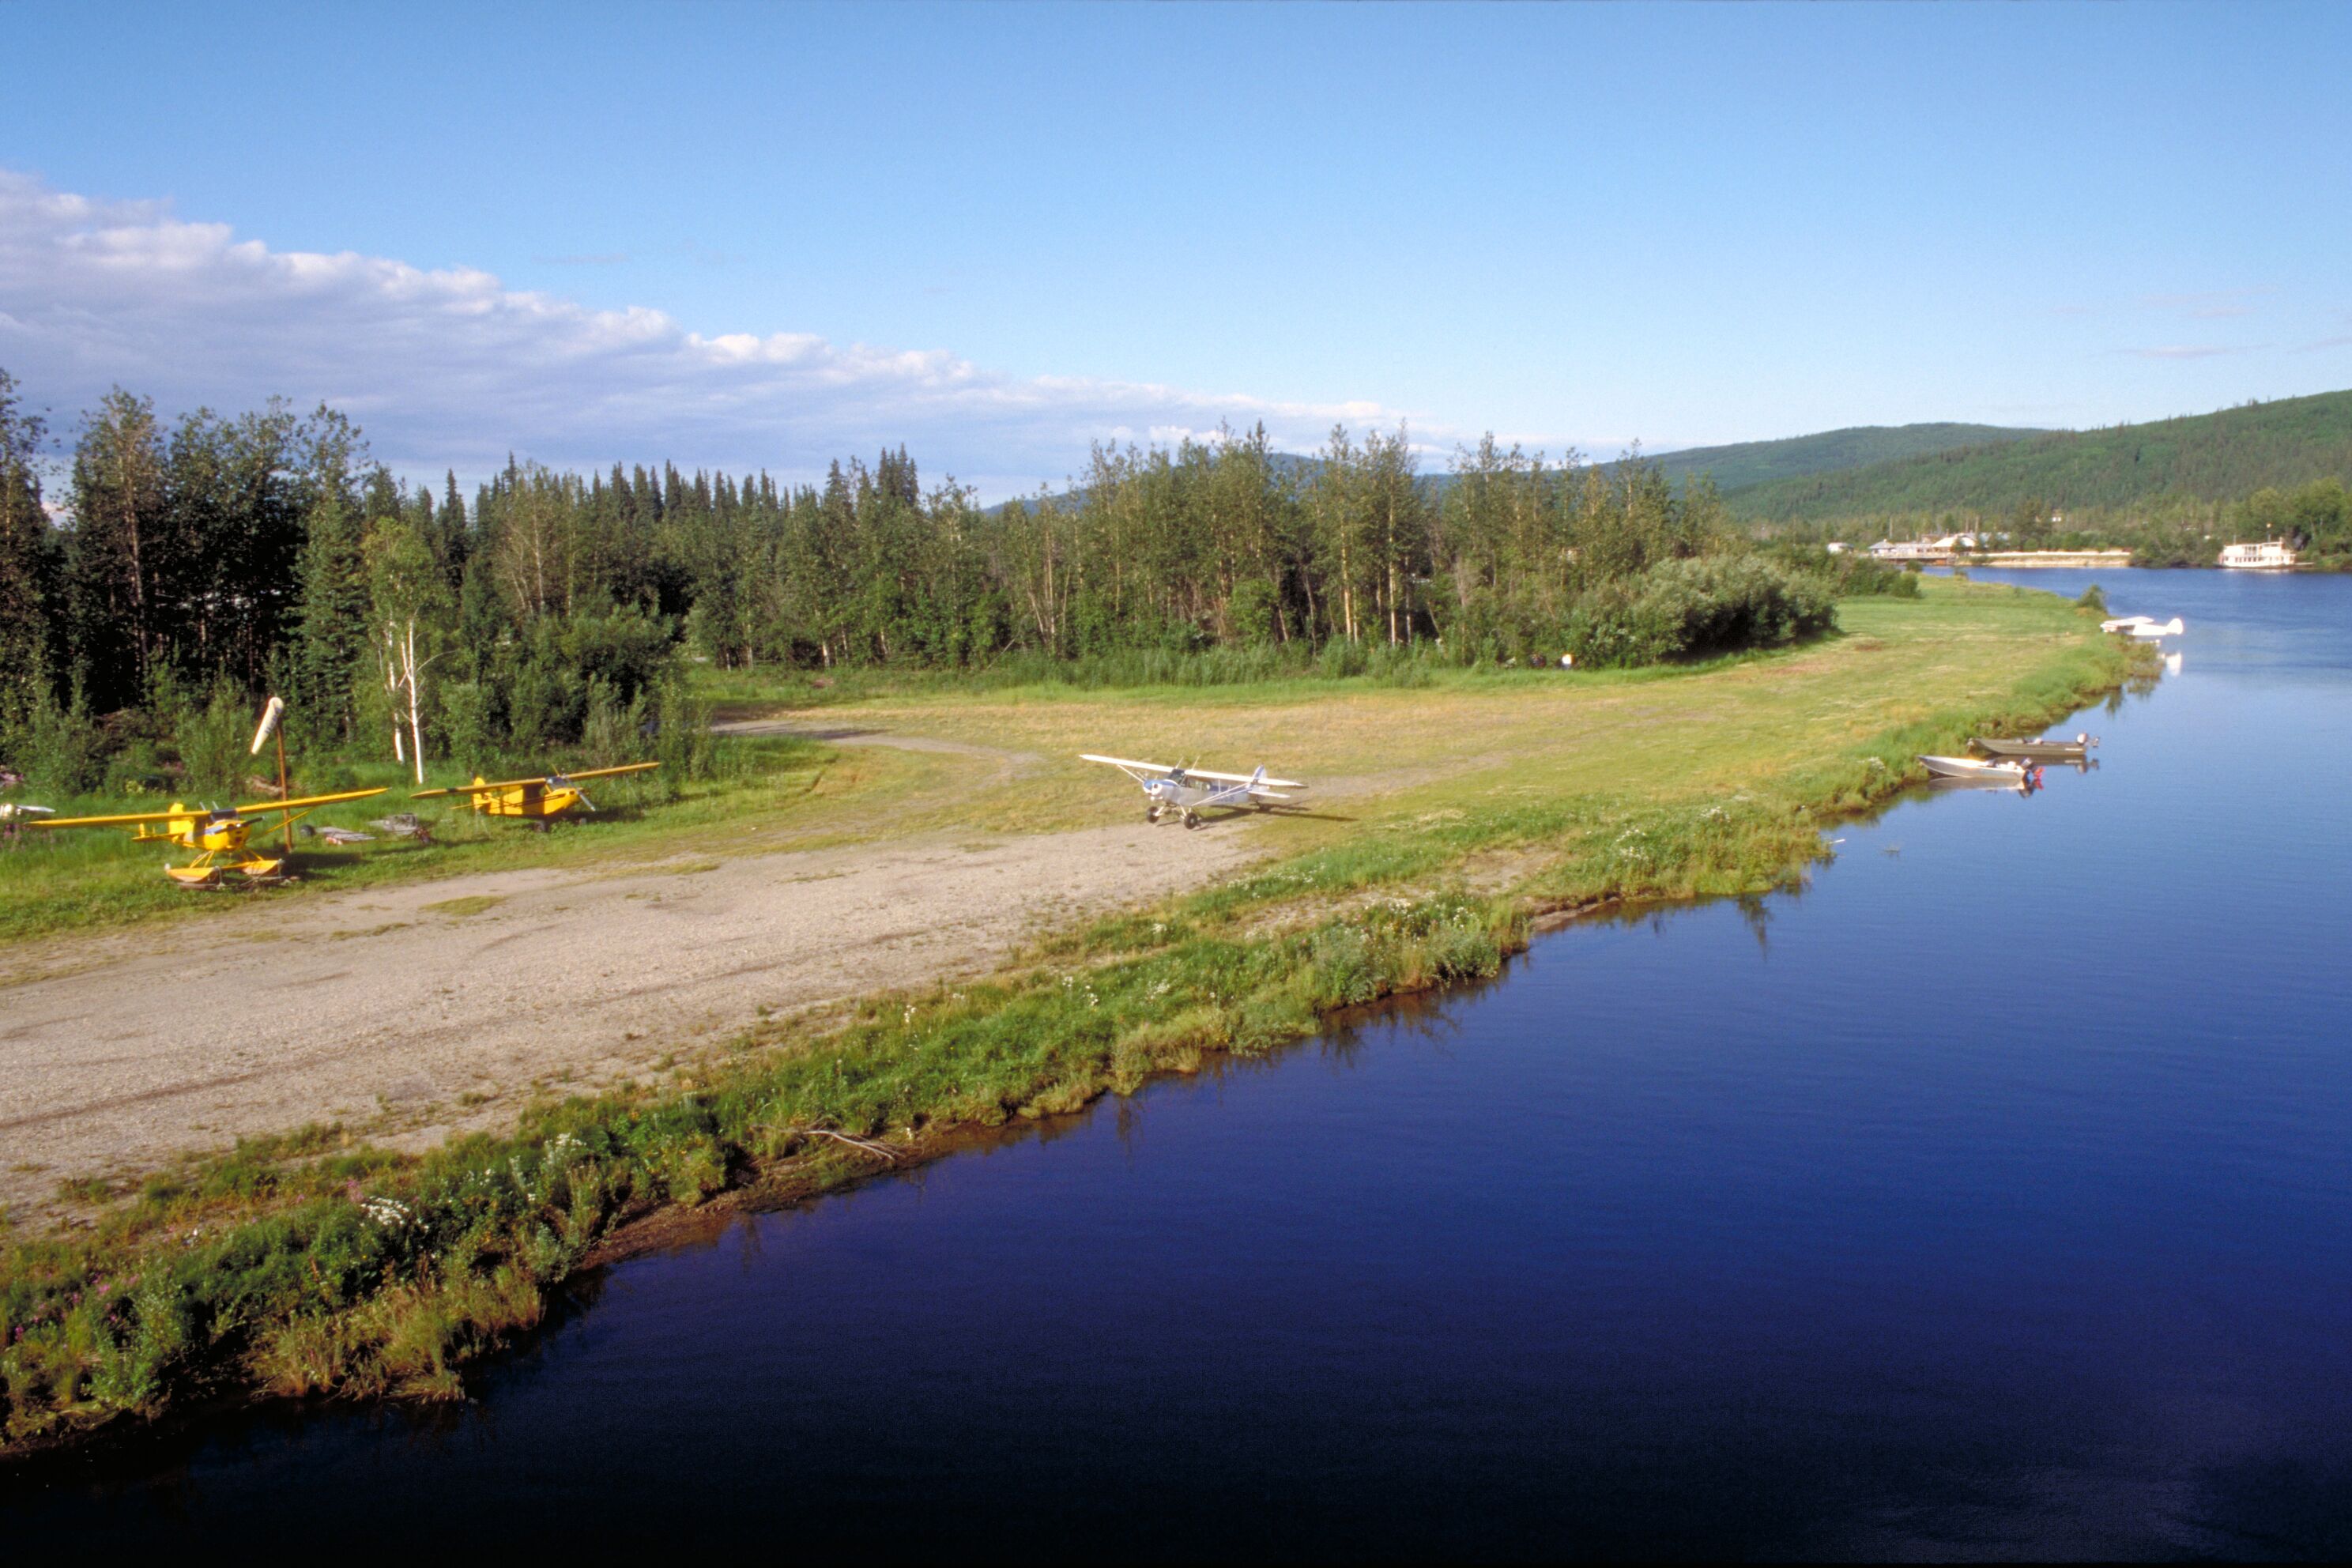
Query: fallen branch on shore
x,y
863,1145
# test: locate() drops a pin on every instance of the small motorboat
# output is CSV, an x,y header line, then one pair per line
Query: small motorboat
x,y
2043,751
2148,628
2008,772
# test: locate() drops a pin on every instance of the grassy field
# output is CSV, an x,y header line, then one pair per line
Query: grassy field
x,y
1379,755
1492,755
1445,816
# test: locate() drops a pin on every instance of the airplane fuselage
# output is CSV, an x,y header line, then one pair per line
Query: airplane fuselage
x,y
206,832
533,798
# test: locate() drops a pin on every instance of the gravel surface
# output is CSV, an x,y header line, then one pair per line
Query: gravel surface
x,y
423,1010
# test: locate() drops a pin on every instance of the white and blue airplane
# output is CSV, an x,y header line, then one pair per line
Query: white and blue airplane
x,y
1193,790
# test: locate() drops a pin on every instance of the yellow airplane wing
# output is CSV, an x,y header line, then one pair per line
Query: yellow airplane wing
x,y
480,788
128,819
607,772
473,788
309,800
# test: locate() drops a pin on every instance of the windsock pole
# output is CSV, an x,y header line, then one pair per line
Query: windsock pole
x,y
270,715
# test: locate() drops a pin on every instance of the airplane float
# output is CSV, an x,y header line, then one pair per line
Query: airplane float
x,y
537,800
1191,791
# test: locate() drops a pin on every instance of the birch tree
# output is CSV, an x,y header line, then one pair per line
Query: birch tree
x,y
408,593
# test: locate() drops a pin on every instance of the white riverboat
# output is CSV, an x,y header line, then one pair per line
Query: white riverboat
x,y
2268,556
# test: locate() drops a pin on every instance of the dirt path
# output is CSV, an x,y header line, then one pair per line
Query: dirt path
x,y
437,1007
852,735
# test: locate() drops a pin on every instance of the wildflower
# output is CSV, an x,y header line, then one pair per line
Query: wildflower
x,y
390,1214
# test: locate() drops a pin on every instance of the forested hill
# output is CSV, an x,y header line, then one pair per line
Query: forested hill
x,y
2208,458
1746,463
1750,463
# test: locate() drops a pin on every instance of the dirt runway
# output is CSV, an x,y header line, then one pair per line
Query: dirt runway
x,y
438,1007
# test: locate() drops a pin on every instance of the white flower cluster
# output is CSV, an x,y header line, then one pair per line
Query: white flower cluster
x,y
390,1214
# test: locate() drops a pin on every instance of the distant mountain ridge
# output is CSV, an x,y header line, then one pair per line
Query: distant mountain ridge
x,y
1986,470
1745,464
2207,457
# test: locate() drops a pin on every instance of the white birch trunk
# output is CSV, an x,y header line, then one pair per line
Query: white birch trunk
x,y
414,673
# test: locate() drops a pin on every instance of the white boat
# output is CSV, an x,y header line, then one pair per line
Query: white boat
x,y
2268,556
1971,768
2148,628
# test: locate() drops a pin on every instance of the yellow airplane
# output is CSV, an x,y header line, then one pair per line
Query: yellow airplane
x,y
538,801
218,837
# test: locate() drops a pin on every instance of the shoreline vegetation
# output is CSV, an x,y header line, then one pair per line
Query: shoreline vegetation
x,y
312,1265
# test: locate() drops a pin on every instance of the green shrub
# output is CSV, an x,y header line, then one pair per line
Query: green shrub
x,y
1694,607
467,724
64,749
212,741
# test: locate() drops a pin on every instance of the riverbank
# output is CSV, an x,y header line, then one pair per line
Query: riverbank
x,y
313,1263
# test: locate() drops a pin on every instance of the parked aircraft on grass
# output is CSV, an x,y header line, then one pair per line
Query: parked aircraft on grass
x,y
1168,787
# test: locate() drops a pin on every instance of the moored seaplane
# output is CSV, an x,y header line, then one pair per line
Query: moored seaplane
x,y
1191,791
536,801
220,838
2146,628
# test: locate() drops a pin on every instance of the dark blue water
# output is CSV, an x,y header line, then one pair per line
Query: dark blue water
x,y
1993,1196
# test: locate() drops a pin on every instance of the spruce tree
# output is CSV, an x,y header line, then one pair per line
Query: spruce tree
x,y
331,630
28,567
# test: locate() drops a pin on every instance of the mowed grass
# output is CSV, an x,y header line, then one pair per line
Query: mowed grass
x,y
1492,743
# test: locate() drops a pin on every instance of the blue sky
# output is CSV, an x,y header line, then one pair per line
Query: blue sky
x,y
763,234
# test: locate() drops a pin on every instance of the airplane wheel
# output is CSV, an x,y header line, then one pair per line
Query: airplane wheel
x,y
1190,820
1150,813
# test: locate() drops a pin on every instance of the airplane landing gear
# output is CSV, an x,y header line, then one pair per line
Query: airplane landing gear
x,y
1192,819
1151,812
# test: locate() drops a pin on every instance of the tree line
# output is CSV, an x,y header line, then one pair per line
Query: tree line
x,y
214,557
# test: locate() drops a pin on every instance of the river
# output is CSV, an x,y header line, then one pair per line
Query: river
x,y
1991,1196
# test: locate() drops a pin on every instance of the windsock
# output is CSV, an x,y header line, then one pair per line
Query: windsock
x,y
275,710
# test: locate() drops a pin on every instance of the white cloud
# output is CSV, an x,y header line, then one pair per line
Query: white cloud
x,y
451,368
